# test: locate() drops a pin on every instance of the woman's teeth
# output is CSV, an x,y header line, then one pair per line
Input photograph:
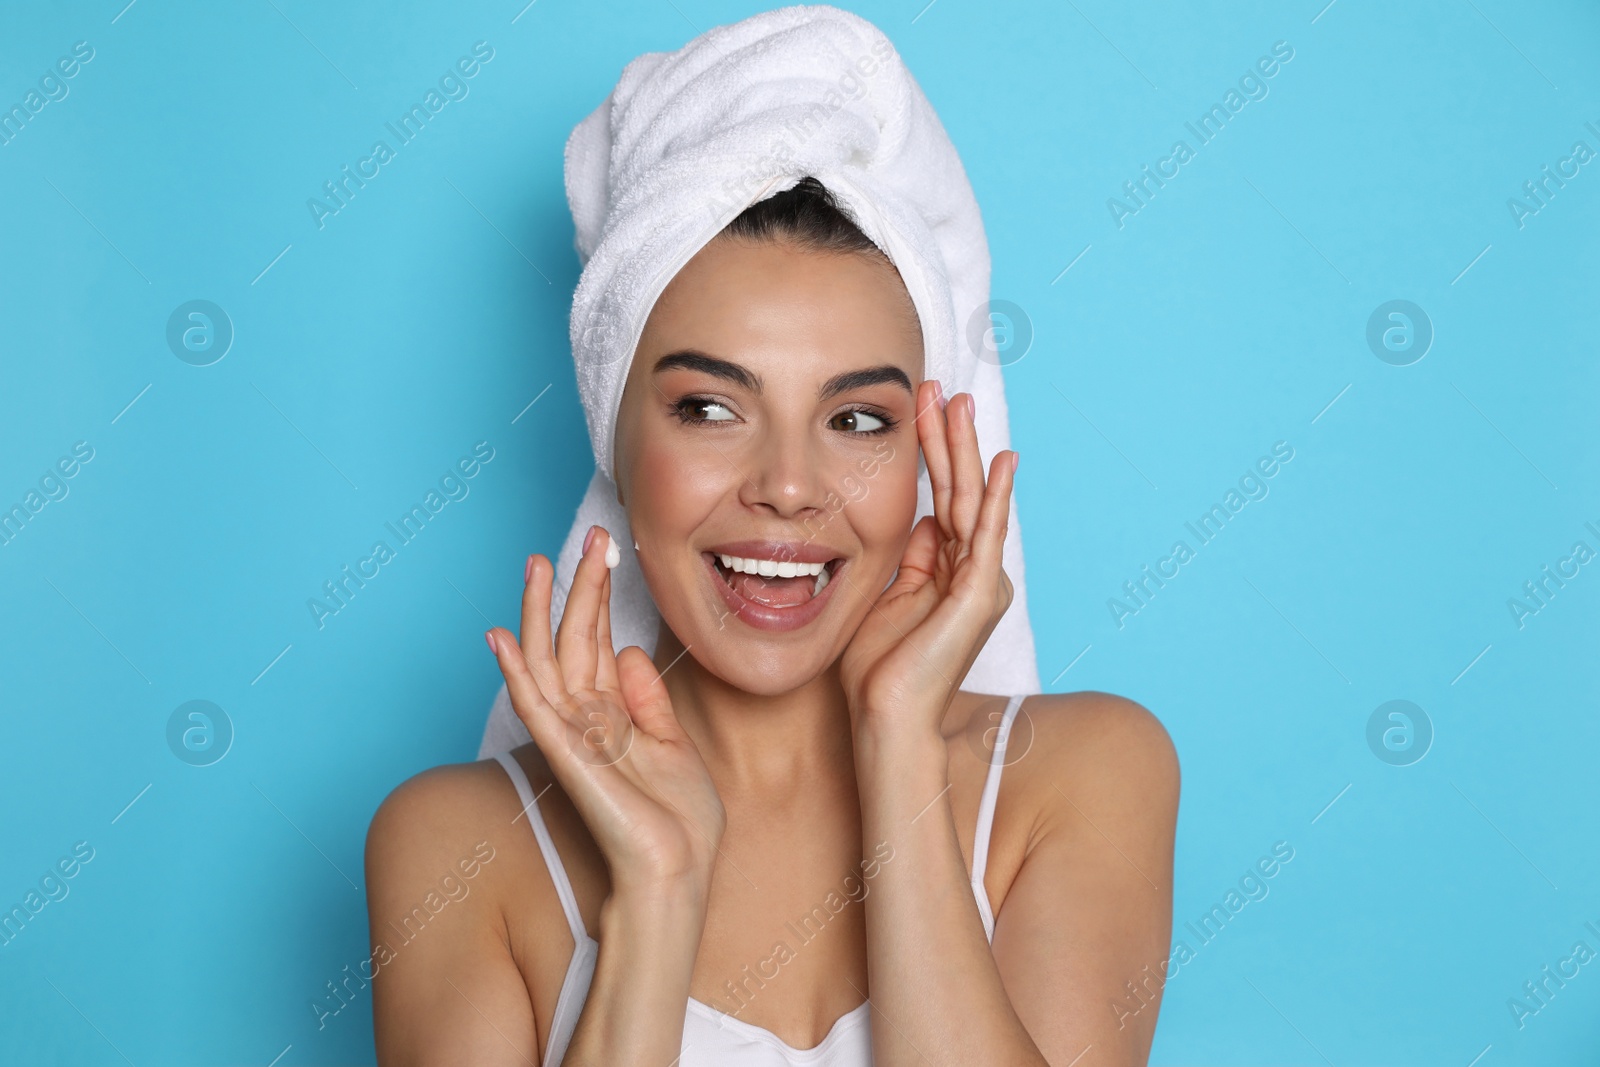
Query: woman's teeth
x,y
769,568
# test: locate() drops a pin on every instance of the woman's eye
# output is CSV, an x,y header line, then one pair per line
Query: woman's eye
x,y
858,422
696,409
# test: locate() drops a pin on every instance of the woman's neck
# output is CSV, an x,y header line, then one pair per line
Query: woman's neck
x,y
753,743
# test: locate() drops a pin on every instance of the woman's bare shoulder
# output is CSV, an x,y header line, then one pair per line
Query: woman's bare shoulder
x,y
429,818
1094,784
1092,739
1104,730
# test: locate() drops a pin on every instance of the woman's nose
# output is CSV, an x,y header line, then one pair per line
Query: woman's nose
x,y
784,473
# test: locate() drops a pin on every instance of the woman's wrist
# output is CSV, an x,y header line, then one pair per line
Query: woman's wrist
x,y
891,754
896,729
658,905
633,1012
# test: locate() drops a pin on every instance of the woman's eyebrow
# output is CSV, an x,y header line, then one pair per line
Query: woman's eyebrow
x,y
860,379
691,359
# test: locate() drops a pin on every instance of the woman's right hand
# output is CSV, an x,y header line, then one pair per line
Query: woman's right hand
x,y
606,727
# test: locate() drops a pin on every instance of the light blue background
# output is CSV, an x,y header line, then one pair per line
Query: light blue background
x,y
1229,313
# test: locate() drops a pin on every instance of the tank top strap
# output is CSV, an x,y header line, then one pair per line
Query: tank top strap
x,y
986,806
547,846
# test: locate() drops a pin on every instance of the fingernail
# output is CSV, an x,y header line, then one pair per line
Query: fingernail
x,y
527,572
588,539
972,407
938,391
488,635
1016,457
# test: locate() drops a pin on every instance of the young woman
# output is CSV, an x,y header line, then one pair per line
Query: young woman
x,y
776,840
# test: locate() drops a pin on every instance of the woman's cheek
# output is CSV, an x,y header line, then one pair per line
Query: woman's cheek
x,y
880,499
674,487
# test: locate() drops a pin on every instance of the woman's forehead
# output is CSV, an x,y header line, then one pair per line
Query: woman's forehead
x,y
831,373
789,311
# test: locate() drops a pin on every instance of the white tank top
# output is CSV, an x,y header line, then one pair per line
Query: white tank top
x,y
713,1038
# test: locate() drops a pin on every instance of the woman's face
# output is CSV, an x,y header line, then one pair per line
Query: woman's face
x,y
768,420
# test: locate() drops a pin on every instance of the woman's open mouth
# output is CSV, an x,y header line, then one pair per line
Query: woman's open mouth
x,y
771,585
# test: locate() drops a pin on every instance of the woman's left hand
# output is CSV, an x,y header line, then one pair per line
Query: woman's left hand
x,y
920,638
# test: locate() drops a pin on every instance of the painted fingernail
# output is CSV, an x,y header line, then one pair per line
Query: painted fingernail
x,y
588,539
488,635
527,572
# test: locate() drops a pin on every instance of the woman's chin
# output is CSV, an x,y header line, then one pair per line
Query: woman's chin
x,y
756,661
761,667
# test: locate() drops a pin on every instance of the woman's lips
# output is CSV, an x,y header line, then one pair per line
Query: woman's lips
x,y
769,616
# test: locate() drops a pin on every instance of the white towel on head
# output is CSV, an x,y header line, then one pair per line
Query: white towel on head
x,y
684,143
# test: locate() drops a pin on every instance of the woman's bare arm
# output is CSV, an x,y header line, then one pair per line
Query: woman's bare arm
x,y
1090,906
445,851
446,989
1089,913
937,996
635,1011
